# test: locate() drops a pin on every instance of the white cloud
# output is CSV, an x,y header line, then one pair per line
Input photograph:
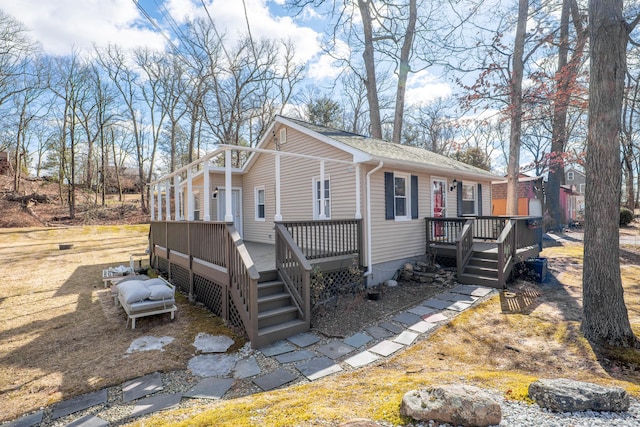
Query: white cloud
x,y
63,25
423,87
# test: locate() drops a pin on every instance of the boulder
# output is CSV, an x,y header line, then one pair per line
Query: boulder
x,y
453,404
564,395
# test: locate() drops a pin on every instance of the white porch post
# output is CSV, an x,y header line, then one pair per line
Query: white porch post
x,y
322,213
167,195
153,202
358,207
159,202
207,192
177,192
228,215
181,209
278,215
189,194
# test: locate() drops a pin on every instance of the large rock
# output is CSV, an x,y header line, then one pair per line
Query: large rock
x,y
563,395
454,404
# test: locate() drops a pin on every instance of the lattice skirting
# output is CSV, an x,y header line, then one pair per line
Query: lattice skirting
x,y
327,285
180,278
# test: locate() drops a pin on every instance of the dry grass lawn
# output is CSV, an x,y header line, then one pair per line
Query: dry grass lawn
x,y
60,333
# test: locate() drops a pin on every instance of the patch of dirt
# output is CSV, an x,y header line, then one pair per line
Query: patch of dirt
x,y
348,314
38,203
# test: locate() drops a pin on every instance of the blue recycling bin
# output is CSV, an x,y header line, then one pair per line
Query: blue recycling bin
x,y
539,267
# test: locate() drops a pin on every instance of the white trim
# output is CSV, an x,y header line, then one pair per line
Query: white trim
x,y
407,196
475,199
239,213
570,176
256,199
319,212
433,193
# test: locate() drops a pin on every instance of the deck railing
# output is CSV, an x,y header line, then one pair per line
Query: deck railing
x,y
327,238
443,230
464,245
506,251
215,251
295,271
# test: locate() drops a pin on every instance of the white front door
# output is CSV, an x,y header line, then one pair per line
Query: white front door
x,y
236,208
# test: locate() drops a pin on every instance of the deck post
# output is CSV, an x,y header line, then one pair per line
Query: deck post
x,y
159,203
228,216
189,194
177,193
321,214
153,203
358,202
167,193
207,192
278,215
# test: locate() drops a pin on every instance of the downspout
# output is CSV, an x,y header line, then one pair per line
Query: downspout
x,y
369,256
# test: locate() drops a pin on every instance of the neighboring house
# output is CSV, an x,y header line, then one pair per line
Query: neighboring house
x,y
313,199
570,215
530,196
576,181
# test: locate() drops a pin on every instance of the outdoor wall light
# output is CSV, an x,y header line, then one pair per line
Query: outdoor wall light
x,y
214,195
454,184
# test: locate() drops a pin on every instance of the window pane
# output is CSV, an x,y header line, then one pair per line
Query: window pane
x,y
468,192
468,207
260,211
400,187
326,189
401,206
261,196
327,208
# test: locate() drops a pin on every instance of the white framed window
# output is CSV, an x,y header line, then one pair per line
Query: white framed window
x,y
582,187
196,205
401,196
570,176
260,205
469,198
321,198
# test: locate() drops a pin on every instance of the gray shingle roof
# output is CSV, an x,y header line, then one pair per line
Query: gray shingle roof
x,y
383,150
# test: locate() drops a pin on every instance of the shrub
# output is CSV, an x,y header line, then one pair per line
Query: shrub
x,y
626,216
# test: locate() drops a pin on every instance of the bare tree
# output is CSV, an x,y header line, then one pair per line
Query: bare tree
x,y
605,319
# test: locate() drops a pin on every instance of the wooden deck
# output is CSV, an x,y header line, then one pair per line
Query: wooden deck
x,y
263,255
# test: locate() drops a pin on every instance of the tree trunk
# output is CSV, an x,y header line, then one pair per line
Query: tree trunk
x,y
513,167
403,72
605,319
369,64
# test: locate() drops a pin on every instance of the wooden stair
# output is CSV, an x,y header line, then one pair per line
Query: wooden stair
x,y
481,269
278,317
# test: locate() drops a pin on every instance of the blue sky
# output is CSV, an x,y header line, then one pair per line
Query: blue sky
x,y
62,26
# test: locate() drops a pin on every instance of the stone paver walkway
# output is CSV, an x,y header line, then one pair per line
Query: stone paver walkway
x,y
301,357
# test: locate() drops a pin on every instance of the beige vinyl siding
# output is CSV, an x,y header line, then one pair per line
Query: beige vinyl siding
x,y
296,184
392,240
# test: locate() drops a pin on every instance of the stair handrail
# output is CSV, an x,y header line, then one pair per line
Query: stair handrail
x,y
506,251
295,271
464,246
243,281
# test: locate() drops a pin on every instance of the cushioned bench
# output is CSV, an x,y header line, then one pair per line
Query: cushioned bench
x,y
141,298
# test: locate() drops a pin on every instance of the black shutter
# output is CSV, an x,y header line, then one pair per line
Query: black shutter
x,y
389,196
459,190
414,197
479,199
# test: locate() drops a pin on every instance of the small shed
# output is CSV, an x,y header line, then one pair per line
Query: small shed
x,y
530,196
